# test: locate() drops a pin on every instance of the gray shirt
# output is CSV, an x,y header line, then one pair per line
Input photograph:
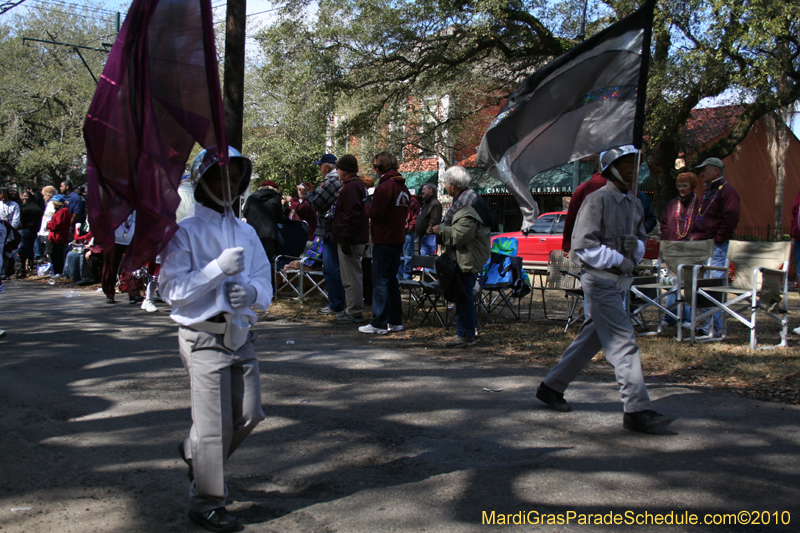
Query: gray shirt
x,y
605,217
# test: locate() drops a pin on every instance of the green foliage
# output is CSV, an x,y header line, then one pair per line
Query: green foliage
x,y
711,48
45,90
387,63
287,106
382,68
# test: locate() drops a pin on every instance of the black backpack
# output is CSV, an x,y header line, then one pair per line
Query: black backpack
x,y
447,271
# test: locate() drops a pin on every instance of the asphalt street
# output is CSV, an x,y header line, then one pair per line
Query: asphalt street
x,y
363,434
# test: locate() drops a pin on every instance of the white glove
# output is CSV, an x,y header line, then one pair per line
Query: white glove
x,y
240,294
231,261
629,245
626,267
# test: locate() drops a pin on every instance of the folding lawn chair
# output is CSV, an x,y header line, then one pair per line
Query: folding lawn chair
x,y
761,285
675,259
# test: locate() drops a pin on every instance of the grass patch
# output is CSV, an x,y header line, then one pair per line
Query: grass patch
x,y
771,375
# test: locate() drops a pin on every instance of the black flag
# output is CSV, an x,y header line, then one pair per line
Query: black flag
x,y
586,100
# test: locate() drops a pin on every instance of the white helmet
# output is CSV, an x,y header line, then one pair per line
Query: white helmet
x,y
210,157
609,156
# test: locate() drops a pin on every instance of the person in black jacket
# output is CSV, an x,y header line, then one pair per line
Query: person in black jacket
x,y
31,219
263,210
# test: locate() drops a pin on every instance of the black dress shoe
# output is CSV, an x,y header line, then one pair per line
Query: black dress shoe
x,y
217,520
187,461
644,421
136,299
84,282
554,400
110,301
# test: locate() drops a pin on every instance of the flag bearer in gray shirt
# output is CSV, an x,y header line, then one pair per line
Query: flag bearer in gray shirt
x,y
608,254
212,287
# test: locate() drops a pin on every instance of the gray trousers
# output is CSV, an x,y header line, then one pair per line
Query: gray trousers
x,y
609,329
352,279
226,406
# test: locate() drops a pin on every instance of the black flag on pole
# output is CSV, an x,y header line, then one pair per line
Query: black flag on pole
x,y
586,100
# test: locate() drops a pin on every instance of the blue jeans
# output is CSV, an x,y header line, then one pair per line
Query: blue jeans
x,y
427,245
38,247
718,260
386,305
72,266
409,247
670,303
24,253
465,314
333,278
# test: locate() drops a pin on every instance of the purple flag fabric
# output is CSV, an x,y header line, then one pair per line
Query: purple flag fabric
x,y
159,95
586,100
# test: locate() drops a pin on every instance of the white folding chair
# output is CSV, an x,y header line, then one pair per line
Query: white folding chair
x,y
675,259
761,284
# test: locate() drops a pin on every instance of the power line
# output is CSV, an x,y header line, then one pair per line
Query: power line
x,y
253,14
10,4
46,8
77,6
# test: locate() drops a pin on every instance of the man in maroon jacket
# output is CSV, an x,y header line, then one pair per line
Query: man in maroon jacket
x,y
388,209
350,230
717,217
586,188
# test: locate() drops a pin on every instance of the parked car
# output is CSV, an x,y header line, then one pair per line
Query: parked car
x,y
545,235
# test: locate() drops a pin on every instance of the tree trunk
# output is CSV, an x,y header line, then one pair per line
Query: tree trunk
x,y
233,79
778,146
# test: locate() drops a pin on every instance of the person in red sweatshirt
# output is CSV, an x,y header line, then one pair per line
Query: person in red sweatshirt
x,y
410,245
58,234
350,230
387,209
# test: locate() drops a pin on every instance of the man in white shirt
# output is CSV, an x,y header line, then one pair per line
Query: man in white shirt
x,y
10,215
211,285
608,253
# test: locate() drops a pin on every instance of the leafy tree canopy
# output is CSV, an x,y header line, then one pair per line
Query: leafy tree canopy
x,y
45,90
370,57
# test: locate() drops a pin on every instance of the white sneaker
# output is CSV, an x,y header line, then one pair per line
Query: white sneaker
x,y
687,325
665,324
149,306
796,331
55,276
399,327
369,328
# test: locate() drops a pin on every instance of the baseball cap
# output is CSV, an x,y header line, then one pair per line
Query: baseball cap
x,y
57,198
327,158
713,161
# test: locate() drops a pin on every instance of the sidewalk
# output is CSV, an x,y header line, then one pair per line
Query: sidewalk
x,y
364,433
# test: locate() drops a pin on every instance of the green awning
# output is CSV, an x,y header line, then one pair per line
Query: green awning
x,y
554,181
415,180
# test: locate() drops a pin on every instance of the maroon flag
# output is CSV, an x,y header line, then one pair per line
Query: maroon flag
x,y
159,95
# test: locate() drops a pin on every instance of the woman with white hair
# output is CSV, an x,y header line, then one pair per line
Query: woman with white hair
x,y
465,232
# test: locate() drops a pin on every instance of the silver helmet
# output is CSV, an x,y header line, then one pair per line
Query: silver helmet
x,y
210,157
609,156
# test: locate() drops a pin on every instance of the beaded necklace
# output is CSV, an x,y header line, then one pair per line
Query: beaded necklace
x,y
713,197
687,218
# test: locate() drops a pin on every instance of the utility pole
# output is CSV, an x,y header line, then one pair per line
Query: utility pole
x,y
233,79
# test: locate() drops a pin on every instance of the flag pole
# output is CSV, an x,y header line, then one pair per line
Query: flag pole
x,y
228,205
635,189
